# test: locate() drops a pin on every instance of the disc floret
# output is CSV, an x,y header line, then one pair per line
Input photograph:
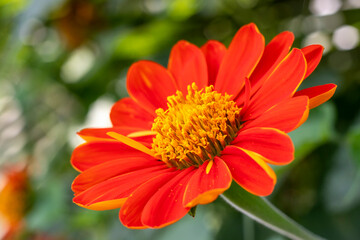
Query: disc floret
x,y
194,128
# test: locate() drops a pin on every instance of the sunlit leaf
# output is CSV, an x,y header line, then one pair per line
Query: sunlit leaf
x,y
182,9
145,40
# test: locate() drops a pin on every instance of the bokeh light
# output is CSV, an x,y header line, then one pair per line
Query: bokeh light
x,y
346,37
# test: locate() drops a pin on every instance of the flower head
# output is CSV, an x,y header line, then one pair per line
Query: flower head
x,y
216,114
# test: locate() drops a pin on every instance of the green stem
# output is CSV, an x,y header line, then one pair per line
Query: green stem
x,y
249,228
262,211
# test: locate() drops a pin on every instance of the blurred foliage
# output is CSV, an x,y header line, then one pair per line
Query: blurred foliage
x,y
63,63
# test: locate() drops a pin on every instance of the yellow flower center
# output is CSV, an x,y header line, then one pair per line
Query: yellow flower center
x,y
194,128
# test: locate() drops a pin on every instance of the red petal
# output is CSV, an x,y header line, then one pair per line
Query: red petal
x,y
318,94
112,193
166,204
188,65
91,154
149,84
285,116
210,180
249,170
245,97
131,211
127,113
274,52
273,144
112,168
214,53
240,60
281,84
313,54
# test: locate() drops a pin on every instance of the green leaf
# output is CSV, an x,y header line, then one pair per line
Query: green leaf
x,y
342,184
353,138
318,129
265,213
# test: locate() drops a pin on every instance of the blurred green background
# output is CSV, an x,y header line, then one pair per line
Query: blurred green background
x,y
63,64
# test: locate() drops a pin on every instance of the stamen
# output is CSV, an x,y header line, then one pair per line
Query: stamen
x,y
195,128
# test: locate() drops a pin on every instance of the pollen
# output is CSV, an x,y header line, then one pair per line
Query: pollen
x,y
195,128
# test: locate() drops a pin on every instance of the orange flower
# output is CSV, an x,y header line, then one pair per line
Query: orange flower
x,y
216,114
12,201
